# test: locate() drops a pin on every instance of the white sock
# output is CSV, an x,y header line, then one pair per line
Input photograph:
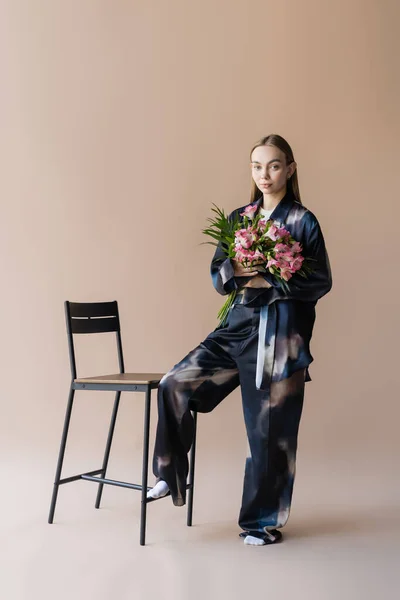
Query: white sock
x,y
250,540
159,490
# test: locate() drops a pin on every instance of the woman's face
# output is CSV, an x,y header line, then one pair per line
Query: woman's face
x,y
269,169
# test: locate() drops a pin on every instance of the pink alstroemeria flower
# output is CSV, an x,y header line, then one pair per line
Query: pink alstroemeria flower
x,y
240,254
249,212
272,263
286,257
255,234
282,233
259,255
246,237
296,263
286,274
262,223
272,233
250,255
281,262
296,247
283,248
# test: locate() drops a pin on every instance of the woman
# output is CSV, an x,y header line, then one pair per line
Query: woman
x,y
263,347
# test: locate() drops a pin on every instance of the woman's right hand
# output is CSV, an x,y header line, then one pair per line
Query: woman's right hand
x,y
242,271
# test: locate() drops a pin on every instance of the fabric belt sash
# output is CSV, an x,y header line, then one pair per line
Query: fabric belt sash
x,y
266,345
266,342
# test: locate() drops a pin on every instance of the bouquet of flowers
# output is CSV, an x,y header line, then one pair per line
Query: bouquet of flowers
x,y
259,243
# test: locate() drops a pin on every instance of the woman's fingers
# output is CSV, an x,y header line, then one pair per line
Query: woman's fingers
x,y
252,272
244,273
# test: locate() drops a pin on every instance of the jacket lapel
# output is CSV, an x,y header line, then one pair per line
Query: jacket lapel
x,y
281,211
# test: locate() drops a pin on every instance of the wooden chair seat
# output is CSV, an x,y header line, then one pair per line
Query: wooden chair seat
x,y
124,378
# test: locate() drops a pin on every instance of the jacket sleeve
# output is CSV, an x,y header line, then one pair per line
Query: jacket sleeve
x,y
221,270
319,282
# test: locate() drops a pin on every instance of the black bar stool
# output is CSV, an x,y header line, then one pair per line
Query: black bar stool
x,y
102,317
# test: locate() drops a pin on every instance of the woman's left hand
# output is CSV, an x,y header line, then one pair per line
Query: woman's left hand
x,y
257,282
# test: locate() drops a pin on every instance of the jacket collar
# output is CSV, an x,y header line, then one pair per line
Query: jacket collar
x,y
281,210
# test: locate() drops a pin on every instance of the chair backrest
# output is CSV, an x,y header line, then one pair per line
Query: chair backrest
x,y
92,317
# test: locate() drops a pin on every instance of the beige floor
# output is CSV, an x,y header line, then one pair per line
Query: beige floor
x,y
331,549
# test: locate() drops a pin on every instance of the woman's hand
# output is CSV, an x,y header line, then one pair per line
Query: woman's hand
x,y
242,271
257,280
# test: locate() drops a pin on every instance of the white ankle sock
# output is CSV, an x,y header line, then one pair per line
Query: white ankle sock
x,y
159,490
250,540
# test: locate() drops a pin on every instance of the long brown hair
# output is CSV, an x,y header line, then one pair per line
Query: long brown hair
x,y
293,183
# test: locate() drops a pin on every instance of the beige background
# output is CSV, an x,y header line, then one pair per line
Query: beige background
x,y
121,122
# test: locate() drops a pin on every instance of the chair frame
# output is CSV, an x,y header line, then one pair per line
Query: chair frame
x,y
102,317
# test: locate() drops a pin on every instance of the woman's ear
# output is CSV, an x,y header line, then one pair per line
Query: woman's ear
x,y
292,168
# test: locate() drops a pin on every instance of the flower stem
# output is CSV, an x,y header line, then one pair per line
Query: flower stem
x,y
223,312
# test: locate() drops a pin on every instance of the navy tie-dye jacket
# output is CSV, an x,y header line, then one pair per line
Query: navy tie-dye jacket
x,y
287,318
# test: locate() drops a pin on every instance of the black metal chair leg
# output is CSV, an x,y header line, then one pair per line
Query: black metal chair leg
x,y
108,448
191,472
61,454
145,466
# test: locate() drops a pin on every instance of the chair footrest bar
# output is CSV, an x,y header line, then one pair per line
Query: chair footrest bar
x,y
132,486
76,477
90,476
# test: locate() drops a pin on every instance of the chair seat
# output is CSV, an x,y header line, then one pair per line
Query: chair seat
x,y
123,378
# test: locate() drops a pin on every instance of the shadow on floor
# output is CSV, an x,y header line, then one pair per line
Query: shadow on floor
x,y
382,519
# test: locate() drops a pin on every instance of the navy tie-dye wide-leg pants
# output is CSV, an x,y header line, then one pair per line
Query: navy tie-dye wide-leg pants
x,y
225,359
